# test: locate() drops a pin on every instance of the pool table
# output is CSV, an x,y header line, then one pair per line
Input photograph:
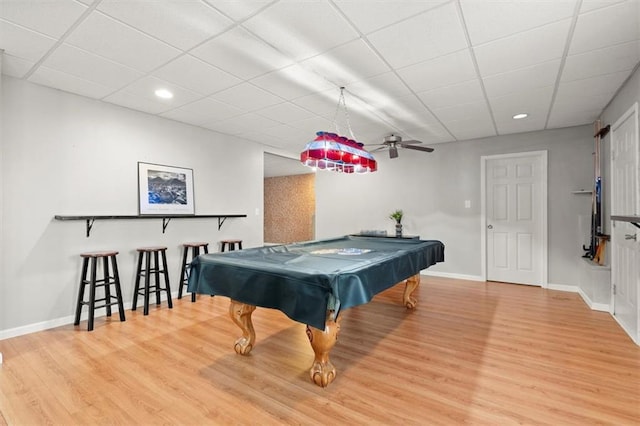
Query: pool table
x,y
312,282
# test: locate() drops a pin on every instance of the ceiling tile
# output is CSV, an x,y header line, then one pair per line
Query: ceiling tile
x,y
384,13
118,42
407,112
440,72
52,18
241,54
63,81
621,57
195,118
376,91
134,102
473,110
588,5
211,109
23,43
312,125
605,27
247,97
292,82
285,112
572,117
490,20
239,10
529,124
146,87
322,103
471,128
196,75
541,44
90,67
245,123
539,75
469,91
182,24
14,66
301,29
535,102
439,32
430,134
588,93
345,64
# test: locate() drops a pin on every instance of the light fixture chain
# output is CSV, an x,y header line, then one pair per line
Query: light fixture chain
x,y
335,116
346,114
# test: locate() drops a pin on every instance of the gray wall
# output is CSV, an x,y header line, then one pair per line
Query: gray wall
x,y
64,154
432,189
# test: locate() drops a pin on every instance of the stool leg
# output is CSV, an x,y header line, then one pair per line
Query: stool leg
x,y
156,275
92,293
195,253
183,271
222,244
147,264
107,284
166,279
116,283
240,245
136,288
83,281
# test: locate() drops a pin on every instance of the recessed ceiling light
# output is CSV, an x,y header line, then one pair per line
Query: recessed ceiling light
x,y
164,94
520,116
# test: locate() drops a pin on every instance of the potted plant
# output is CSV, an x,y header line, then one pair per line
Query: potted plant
x,y
397,216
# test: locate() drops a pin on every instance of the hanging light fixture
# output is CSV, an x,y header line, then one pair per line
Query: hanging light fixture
x,y
330,151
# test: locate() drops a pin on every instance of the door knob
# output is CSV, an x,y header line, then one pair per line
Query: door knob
x,y
490,227
630,237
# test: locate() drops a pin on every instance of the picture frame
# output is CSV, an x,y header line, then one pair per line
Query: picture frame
x,y
165,190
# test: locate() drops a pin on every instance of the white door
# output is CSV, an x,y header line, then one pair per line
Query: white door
x,y
515,206
625,253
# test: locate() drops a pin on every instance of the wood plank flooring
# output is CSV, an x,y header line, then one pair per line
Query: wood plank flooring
x,y
472,353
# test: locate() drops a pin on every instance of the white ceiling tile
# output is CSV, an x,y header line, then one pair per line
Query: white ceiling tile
x,y
469,91
245,123
529,124
88,66
430,134
180,23
425,36
490,20
196,75
285,113
535,102
474,110
14,66
440,72
146,87
541,44
605,27
67,82
471,128
609,60
407,112
211,109
247,97
23,43
134,102
313,125
241,54
376,91
292,82
588,5
539,75
271,141
301,29
572,117
52,18
383,12
345,64
322,103
118,42
239,10
589,93
194,118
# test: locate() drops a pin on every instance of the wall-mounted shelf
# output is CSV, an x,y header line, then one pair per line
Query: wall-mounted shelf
x,y
634,220
583,191
165,218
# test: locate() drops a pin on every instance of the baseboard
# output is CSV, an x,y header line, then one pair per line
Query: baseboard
x,y
563,287
452,275
58,322
604,307
635,339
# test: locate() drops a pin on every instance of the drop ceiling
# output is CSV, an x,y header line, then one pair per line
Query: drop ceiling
x,y
270,71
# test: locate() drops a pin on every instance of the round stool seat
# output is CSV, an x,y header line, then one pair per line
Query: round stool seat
x,y
150,249
98,253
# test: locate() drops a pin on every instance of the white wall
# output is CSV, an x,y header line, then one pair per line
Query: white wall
x,y
432,189
68,155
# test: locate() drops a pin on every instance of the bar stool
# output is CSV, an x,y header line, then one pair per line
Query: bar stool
x,y
151,268
231,244
186,266
106,282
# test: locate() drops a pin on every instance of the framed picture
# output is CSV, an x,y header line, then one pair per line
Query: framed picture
x,y
164,190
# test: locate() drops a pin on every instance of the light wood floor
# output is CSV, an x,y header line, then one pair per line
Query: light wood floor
x,y
474,353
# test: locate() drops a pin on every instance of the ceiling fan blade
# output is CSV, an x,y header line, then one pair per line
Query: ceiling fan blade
x,y
378,149
393,152
413,141
417,148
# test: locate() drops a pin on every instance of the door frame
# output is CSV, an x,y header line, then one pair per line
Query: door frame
x,y
543,155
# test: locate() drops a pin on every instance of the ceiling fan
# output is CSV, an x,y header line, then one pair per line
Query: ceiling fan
x,y
392,142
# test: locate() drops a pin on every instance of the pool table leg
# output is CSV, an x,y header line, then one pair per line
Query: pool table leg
x,y
322,371
407,299
241,315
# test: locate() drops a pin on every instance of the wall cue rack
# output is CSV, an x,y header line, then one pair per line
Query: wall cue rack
x,y
165,218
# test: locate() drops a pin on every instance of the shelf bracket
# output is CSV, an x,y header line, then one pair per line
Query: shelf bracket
x,y
165,223
635,224
220,222
90,225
